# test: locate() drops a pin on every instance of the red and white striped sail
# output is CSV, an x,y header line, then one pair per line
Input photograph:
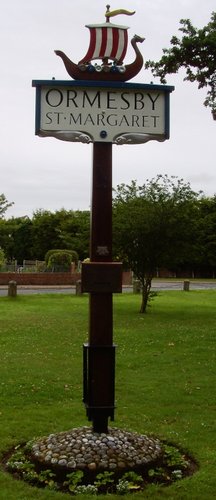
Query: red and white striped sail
x,y
107,41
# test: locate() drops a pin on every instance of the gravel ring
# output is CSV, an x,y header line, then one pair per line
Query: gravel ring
x,y
81,448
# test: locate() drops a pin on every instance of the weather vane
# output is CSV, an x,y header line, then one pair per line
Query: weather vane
x,y
108,43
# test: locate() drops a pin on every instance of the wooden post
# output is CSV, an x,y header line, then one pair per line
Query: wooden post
x,y
100,352
12,289
186,286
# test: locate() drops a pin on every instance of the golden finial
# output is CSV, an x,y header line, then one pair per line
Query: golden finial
x,y
117,13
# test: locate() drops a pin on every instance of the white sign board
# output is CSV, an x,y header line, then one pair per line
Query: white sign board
x,y
92,112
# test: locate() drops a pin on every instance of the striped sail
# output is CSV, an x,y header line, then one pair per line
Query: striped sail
x,y
107,41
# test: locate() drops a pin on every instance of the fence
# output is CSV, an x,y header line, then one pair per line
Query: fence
x,y
28,266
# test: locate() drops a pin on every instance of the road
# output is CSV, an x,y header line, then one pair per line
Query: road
x,y
157,285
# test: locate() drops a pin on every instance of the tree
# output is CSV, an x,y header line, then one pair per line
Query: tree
x,y
22,238
16,238
196,52
154,226
74,231
4,205
207,234
2,258
45,233
61,230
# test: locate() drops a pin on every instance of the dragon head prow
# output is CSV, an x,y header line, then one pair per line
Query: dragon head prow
x,y
137,38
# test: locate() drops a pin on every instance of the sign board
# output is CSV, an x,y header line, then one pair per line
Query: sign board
x,y
121,113
102,277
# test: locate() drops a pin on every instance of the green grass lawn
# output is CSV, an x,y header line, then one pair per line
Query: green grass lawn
x,y
165,378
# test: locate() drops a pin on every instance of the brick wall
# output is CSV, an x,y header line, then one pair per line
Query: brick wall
x,y
49,279
40,279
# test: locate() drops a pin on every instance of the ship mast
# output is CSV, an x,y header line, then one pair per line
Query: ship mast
x,y
107,11
106,59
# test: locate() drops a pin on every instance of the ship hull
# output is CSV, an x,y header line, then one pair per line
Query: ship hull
x,y
100,74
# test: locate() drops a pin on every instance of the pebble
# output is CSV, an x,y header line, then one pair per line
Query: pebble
x,y
83,448
63,462
92,466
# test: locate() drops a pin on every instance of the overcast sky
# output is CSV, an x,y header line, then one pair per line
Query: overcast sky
x,y
50,174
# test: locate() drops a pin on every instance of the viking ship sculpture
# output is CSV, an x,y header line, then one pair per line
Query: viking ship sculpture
x,y
108,43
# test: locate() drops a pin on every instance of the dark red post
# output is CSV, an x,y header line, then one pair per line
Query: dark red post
x,y
101,206
99,353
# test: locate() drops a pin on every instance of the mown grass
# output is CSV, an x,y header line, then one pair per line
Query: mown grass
x,y
165,378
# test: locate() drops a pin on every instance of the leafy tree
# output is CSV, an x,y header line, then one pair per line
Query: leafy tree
x,y
154,226
16,238
2,257
61,230
196,52
4,205
207,234
23,239
74,231
45,233
6,239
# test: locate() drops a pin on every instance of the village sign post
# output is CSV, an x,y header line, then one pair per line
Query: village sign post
x,y
98,106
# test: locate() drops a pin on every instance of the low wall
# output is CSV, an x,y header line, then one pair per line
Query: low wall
x,y
50,279
40,279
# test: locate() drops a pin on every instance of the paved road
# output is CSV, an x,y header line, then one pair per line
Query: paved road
x,y
178,285
156,286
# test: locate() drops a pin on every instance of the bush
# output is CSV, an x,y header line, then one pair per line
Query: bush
x,y
59,261
72,253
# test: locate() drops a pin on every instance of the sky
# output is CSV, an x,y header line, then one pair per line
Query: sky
x,y
45,173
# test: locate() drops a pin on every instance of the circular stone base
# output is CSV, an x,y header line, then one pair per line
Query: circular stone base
x,y
81,448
